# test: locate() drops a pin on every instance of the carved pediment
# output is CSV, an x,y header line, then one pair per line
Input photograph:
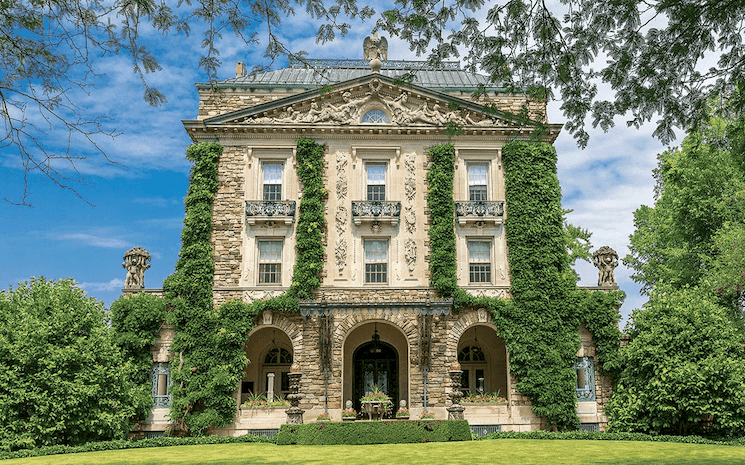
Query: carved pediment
x,y
377,102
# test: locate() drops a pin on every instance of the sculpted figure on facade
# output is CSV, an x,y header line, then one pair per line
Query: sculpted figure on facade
x,y
410,254
606,260
341,177
136,261
340,254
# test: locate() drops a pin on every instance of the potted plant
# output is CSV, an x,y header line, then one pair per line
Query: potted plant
x,y
323,417
426,415
484,398
349,414
402,414
376,403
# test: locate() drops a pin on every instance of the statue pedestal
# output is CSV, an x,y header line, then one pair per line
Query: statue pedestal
x,y
455,412
294,413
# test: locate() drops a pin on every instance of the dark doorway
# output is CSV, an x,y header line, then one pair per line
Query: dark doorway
x,y
375,364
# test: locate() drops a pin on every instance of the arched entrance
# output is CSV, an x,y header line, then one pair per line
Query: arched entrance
x,y
375,364
269,352
375,353
482,355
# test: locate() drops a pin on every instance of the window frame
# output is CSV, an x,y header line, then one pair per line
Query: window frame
x,y
274,196
261,275
586,392
385,184
471,194
489,272
386,264
161,369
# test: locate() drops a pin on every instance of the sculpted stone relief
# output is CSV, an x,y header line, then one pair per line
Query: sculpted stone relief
x,y
341,178
403,110
340,254
410,191
342,215
410,254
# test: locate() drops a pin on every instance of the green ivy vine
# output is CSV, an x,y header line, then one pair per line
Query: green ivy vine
x,y
209,342
540,323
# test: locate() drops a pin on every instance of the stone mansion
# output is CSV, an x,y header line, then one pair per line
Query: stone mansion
x,y
375,303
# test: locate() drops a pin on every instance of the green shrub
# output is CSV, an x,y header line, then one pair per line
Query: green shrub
x,y
374,432
137,444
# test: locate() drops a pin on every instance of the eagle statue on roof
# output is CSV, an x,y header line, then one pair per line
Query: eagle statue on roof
x,y
375,47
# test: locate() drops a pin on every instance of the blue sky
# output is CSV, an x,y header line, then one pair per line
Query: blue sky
x,y
140,202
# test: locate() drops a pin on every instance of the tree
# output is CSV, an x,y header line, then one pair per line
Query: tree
x,y
62,379
699,203
683,368
526,44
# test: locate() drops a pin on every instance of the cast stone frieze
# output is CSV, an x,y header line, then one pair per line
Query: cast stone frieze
x,y
488,292
261,294
342,217
410,219
403,110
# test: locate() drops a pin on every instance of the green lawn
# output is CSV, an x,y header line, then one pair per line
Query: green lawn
x,y
512,451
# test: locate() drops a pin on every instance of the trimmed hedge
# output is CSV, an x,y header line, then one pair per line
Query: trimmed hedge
x,y
605,436
127,444
374,432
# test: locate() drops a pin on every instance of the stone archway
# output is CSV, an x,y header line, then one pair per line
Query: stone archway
x,y
482,355
270,354
391,363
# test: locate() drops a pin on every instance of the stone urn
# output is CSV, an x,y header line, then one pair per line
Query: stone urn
x,y
294,413
455,411
375,408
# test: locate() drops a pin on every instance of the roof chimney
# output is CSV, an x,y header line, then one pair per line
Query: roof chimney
x,y
240,69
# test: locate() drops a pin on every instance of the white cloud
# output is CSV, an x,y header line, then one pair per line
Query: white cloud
x,y
95,241
115,284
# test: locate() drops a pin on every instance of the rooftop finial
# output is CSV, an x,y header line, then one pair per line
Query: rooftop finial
x,y
376,50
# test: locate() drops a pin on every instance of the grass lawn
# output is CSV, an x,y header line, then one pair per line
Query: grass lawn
x,y
512,451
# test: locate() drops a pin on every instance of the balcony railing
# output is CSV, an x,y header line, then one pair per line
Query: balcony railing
x,y
273,210
376,211
479,211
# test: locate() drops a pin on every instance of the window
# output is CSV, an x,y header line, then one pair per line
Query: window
x,y
376,261
585,368
161,379
479,261
272,181
477,182
473,364
375,182
375,117
270,262
276,372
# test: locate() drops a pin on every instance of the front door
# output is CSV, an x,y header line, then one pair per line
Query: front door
x,y
375,364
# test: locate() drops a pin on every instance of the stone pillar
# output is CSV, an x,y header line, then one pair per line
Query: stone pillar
x,y
294,413
455,411
270,386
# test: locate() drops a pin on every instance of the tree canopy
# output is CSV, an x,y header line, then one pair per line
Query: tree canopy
x,y
63,380
660,58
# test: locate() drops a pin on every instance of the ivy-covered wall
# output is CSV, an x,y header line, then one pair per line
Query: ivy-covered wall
x,y
208,341
540,323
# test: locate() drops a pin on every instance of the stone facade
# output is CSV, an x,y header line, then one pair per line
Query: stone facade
x,y
375,296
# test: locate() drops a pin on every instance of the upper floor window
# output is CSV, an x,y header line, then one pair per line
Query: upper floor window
x,y
270,262
376,261
479,261
375,117
161,382
375,174
477,182
272,181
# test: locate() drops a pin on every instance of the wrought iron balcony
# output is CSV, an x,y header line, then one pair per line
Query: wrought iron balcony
x,y
270,210
479,211
367,210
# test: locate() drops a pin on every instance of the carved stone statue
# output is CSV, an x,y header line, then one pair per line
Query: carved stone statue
x,y
606,259
374,47
136,261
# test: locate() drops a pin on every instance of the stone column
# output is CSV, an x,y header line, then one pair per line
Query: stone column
x,y
455,411
270,386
